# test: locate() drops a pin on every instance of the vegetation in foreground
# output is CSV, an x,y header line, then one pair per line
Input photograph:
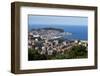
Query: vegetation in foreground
x,y
75,52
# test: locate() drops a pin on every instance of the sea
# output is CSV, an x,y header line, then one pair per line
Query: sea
x,y
79,32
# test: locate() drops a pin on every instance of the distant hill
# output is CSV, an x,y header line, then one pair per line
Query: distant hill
x,y
49,28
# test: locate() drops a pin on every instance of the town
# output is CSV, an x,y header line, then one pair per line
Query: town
x,y
50,41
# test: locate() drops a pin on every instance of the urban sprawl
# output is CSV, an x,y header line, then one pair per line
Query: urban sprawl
x,y
50,40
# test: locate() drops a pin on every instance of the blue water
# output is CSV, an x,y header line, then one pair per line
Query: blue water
x,y
78,32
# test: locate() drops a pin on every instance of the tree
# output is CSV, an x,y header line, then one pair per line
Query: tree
x,y
78,52
35,55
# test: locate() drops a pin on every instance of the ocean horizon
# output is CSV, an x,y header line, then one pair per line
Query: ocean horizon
x,y
78,32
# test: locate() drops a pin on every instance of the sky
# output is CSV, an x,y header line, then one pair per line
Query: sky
x,y
57,20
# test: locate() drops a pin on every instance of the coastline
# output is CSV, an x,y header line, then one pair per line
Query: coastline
x,y
78,32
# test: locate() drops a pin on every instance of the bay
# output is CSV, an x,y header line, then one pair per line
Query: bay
x,y
79,32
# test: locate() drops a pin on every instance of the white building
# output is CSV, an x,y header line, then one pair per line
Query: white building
x,y
36,35
36,48
36,39
43,50
29,46
50,51
76,41
30,33
56,42
64,43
